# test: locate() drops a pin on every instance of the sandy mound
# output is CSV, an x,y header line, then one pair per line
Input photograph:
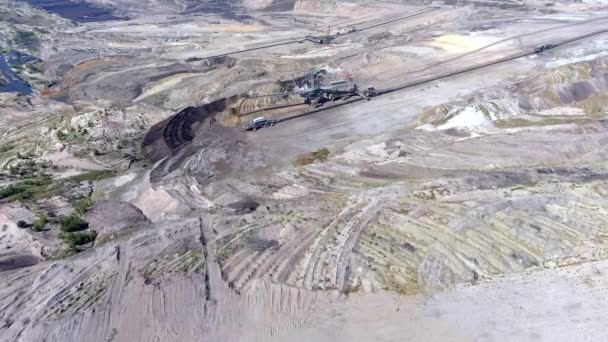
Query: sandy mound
x,y
454,43
109,218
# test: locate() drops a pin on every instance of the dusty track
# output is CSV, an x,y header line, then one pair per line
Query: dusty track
x,y
484,65
399,234
304,39
437,77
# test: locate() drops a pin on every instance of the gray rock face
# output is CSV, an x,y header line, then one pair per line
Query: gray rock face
x,y
18,247
11,262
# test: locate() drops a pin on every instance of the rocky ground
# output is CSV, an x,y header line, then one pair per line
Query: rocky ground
x,y
469,205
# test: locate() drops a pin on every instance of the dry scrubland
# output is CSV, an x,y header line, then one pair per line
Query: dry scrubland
x,y
468,206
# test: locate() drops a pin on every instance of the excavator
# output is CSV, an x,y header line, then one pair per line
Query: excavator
x,y
320,90
321,40
318,96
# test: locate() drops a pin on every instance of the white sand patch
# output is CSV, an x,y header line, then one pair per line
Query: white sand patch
x,y
480,115
469,117
64,158
156,204
290,191
124,179
575,59
69,173
595,50
323,52
561,17
561,111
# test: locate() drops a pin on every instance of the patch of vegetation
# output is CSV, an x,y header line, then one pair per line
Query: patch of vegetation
x,y
74,240
448,115
73,223
406,284
40,223
26,189
426,194
93,176
228,248
352,289
29,168
431,115
26,38
595,105
319,155
6,147
520,122
485,111
37,67
38,184
72,134
84,205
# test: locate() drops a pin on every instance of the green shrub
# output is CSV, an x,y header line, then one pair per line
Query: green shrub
x,y
72,134
93,176
25,189
40,185
27,168
40,223
78,239
73,223
84,205
321,154
26,38
36,67
61,135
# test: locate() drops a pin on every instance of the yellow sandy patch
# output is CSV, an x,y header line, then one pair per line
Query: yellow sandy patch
x,y
454,43
164,84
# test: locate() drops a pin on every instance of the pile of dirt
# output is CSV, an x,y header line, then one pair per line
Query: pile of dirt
x,y
168,136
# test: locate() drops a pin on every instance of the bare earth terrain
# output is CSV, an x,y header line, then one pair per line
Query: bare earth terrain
x,y
458,192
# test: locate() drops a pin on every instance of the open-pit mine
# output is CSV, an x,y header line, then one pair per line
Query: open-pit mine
x,y
303,170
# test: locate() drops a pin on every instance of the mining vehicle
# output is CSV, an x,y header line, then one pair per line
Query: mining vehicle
x,y
321,40
544,47
258,123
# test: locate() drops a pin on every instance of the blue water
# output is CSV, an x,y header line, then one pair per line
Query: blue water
x,y
78,11
14,82
16,57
